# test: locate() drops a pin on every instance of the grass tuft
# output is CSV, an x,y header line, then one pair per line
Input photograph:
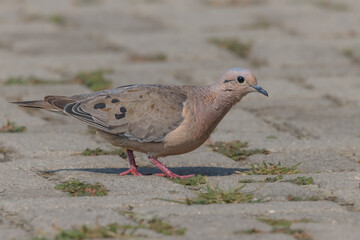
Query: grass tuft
x,y
75,188
213,194
235,149
113,231
301,180
157,57
153,223
29,81
116,231
273,179
191,181
271,169
249,231
283,226
236,46
57,19
312,198
94,80
247,181
98,151
11,127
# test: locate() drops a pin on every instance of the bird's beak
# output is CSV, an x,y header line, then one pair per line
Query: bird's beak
x,y
260,90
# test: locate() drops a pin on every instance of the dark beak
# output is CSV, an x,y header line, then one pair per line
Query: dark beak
x,y
260,90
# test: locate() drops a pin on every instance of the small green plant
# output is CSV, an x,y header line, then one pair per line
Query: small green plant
x,y
249,231
57,19
11,127
153,223
283,226
273,179
191,181
116,231
29,81
158,57
98,151
76,188
213,194
113,231
235,149
271,137
94,80
247,181
236,46
312,198
271,169
301,180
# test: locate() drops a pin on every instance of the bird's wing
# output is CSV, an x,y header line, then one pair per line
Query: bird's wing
x,y
145,113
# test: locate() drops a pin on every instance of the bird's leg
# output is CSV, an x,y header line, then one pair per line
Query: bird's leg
x,y
165,170
133,168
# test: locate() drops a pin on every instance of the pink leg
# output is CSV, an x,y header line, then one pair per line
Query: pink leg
x,y
133,167
165,170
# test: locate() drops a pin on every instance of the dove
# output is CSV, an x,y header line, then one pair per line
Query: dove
x,y
158,120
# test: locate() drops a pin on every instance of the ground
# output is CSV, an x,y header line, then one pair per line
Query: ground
x,y
304,53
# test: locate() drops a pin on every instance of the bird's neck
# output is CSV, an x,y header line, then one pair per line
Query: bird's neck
x,y
211,105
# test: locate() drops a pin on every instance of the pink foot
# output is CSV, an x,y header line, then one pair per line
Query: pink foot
x,y
165,170
133,168
173,175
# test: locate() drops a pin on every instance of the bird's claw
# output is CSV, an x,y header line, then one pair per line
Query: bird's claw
x,y
133,171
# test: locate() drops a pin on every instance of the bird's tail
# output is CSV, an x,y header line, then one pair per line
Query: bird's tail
x,y
50,103
40,104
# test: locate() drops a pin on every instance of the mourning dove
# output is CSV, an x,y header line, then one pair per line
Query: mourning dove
x,y
158,120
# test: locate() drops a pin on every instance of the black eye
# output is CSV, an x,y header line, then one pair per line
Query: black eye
x,y
240,79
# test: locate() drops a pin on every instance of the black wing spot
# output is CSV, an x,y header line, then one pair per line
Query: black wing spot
x,y
141,96
115,100
119,116
123,109
99,106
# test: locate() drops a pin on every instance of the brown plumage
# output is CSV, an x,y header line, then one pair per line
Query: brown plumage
x,y
155,119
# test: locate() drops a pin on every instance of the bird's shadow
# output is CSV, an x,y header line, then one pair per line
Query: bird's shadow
x,y
206,171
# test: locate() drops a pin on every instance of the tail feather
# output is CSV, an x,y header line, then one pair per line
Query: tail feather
x,y
50,103
34,104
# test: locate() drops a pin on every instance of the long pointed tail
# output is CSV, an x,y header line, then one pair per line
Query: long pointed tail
x,y
40,104
50,103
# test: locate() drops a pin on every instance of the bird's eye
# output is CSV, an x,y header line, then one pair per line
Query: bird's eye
x,y
240,79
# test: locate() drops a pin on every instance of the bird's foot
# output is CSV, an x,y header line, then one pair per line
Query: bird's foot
x,y
173,175
165,170
132,170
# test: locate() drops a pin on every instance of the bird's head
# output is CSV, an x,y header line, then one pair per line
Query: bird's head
x,y
238,82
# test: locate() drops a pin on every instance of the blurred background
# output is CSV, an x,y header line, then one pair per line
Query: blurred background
x,y
304,53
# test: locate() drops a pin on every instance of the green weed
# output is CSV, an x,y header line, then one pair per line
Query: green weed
x,y
271,169
158,57
191,181
75,188
301,180
11,127
94,80
98,151
212,195
235,149
236,46
153,223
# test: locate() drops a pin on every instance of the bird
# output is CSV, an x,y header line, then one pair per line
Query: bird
x,y
158,120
